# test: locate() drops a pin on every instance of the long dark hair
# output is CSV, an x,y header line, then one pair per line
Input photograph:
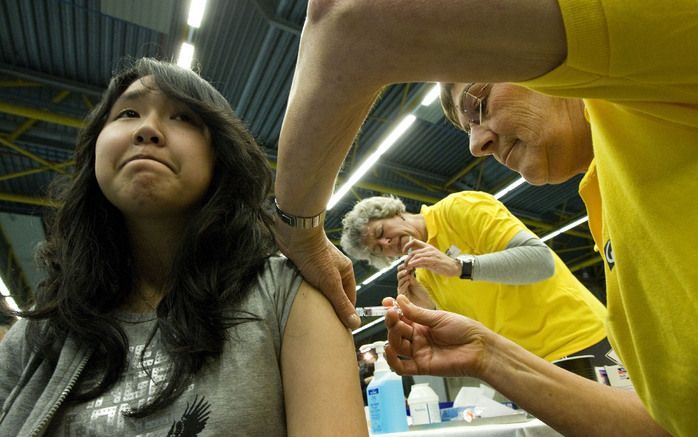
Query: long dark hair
x,y
89,262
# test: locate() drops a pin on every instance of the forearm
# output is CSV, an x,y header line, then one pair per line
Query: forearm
x,y
326,108
350,49
399,41
573,405
525,260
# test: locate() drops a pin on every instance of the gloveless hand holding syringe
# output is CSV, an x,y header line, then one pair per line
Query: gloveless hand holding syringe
x,y
377,311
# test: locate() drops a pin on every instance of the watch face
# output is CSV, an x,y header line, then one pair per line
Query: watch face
x,y
466,269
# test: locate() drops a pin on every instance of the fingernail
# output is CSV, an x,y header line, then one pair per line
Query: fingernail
x,y
354,321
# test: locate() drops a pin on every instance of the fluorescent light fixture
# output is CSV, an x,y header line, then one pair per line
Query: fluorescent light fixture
x,y
186,55
566,228
380,272
11,304
3,288
196,13
368,325
501,193
5,292
431,95
366,165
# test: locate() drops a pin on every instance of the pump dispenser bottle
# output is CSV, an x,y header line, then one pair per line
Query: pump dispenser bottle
x,y
386,399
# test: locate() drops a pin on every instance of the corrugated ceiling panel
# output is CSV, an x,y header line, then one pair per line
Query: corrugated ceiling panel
x,y
76,42
155,15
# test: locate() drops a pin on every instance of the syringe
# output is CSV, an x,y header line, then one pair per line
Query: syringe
x,y
375,311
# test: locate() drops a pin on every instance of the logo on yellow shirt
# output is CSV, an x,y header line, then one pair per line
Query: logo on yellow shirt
x,y
608,254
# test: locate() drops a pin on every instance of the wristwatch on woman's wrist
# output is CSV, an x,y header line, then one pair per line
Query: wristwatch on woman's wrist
x,y
299,222
466,267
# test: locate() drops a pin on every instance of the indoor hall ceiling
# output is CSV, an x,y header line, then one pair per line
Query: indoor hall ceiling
x,y
56,57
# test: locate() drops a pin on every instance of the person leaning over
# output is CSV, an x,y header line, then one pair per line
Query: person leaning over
x,y
474,257
634,67
164,311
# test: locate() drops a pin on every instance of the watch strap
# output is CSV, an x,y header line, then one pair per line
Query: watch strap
x,y
466,264
299,222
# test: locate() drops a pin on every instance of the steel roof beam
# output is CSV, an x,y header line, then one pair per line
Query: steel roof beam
x,y
51,80
41,115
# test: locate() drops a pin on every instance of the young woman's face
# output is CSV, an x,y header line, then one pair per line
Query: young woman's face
x,y
154,155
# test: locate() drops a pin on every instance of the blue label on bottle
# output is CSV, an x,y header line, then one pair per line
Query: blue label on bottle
x,y
372,391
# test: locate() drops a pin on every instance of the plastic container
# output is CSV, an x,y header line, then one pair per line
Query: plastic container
x,y
424,404
582,365
386,400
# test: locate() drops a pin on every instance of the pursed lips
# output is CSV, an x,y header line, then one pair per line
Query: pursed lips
x,y
149,158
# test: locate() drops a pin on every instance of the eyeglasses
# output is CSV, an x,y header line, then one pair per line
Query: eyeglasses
x,y
473,103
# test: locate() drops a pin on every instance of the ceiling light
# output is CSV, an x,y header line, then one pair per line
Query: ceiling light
x,y
380,272
5,292
186,55
566,228
11,304
368,325
501,193
196,13
384,146
3,288
431,95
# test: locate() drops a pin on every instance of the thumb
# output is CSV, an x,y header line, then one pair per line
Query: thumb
x,y
346,311
416,313
342,294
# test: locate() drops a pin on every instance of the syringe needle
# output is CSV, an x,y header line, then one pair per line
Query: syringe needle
x,y
375,311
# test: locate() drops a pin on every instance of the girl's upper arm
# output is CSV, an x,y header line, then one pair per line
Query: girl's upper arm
x,y
320,371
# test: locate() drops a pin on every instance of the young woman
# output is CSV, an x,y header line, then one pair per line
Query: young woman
x,y
164,311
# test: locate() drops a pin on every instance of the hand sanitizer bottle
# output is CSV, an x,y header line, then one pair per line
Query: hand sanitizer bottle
x,y
424,404
386,400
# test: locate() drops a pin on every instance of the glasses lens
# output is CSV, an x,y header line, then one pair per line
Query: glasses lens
x,y
473,102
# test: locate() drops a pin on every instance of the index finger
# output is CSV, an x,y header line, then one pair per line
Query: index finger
x,y
401,367
414,244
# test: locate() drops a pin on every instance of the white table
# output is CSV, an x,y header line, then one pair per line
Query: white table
x,y
529,428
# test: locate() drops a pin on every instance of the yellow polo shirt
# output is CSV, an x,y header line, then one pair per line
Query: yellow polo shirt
x,y
640,57
552,318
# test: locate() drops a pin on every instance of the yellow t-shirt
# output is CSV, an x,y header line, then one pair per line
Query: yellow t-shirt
x,y
640,57
551,318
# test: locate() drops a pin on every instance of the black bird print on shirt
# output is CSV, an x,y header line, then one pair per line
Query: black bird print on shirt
x,y
193,421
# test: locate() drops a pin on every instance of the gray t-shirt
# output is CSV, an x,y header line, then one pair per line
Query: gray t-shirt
x,y
241,394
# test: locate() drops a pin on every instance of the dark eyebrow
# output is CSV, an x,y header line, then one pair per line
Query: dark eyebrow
x,y
133,95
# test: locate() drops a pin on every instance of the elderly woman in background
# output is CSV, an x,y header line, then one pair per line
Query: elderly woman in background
x,y
474,257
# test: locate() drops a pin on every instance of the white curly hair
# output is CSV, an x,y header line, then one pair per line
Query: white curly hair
x,y
354,227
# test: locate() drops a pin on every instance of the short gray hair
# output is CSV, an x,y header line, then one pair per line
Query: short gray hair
x,y
354,227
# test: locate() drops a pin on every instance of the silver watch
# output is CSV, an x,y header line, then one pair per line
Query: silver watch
x,y
299,222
